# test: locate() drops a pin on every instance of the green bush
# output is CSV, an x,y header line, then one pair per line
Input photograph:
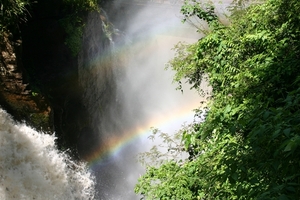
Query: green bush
x,y
12,13
249,145
73,22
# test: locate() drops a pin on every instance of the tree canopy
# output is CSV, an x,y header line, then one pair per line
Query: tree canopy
x,y
248,145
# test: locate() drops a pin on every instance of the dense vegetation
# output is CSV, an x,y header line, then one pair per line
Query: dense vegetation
x,y
71,14
11,13
248,146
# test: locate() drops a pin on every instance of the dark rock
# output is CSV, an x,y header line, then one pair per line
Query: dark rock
x,y
15,93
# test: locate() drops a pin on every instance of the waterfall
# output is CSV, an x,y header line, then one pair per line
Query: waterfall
x,y
31,167
127,90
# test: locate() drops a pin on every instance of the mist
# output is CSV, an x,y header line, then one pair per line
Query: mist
x,y
145,91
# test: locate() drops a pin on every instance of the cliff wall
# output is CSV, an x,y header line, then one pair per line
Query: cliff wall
x,y
39,74
16,95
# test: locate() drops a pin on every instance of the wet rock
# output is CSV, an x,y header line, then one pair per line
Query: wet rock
x,y
15,94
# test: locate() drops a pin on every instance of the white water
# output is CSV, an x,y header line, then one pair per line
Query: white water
x,y
31,167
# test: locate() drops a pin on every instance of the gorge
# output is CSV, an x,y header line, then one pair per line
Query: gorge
x,y
101,103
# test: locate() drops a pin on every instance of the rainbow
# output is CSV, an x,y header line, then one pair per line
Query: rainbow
x,y
115,144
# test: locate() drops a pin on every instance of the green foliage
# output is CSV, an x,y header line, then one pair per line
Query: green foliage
x,y
163,164
73,23
12,13
248,146
73,26
81,5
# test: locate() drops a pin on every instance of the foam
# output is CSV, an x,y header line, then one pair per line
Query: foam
x,y
31,167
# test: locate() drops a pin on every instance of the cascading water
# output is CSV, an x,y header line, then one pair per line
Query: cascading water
x,y
127,90
31,167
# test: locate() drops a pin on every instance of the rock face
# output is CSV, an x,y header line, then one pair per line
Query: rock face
x,y
39,75
16,95
44,84
53,69
98,68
